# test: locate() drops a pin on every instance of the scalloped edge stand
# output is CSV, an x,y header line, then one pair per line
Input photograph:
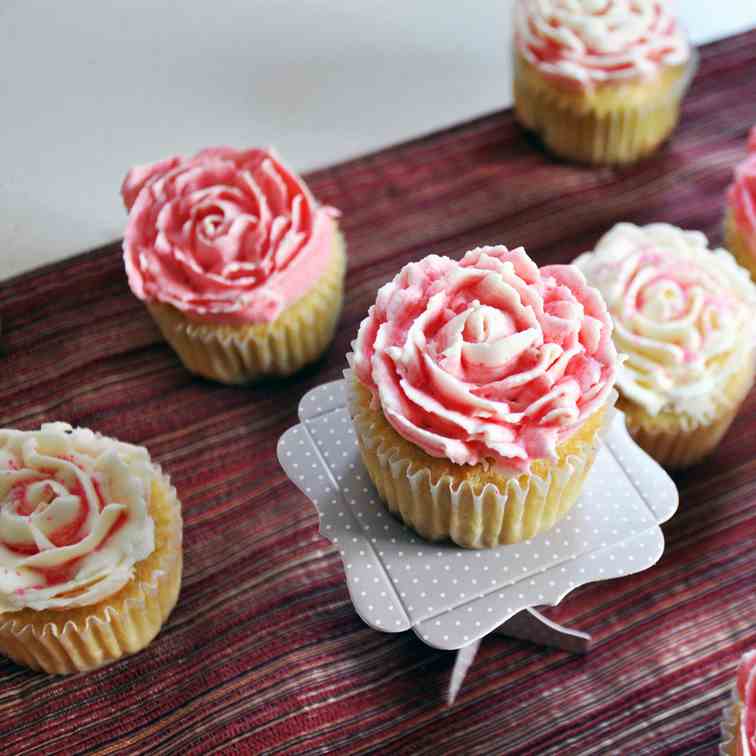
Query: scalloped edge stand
x,y
453,597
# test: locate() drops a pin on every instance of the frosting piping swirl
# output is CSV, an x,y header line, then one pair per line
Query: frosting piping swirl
x,y
593,41
682,314
227,236
73,516
488,359
742,194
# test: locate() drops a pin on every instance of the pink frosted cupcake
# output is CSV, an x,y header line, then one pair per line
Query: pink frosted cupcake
x,y
479,390
240,267
739,724
740,216
600,81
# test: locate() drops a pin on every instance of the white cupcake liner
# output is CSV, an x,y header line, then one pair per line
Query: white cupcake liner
x,y
619,135
234,355
445,508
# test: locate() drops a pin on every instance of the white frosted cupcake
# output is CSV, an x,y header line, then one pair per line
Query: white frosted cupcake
x,y
684,317
90,548
600,81
479,391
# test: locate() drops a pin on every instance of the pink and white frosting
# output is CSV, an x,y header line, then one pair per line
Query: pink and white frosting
x,y
74,516
683,315
487,359
742,194
593,41
227,236
745,737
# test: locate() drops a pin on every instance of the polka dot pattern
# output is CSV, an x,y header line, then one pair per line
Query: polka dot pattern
x,y
452,596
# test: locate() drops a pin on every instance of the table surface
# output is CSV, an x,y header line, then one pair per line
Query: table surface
x,y
104,86
264,651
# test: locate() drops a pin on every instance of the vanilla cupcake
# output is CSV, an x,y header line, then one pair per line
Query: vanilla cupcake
x,y
239,266
684,317
600,81
478,392
90,548
739,724
740,217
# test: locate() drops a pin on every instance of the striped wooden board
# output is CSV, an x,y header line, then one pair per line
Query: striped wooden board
x,y
264,651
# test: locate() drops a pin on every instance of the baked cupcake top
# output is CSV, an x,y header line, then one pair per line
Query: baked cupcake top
x,y
683,315
488,359
227,236
74,516
742,193
595,41
746,695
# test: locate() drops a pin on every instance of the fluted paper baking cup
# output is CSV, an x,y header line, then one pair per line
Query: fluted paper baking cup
x,y
240,354
85,638
737,244
679,441
608,128
475,515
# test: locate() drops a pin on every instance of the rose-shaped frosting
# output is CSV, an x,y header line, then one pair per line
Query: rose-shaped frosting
x,y
73,516
683,315
226,236
487,359
592,41
746,693
742,194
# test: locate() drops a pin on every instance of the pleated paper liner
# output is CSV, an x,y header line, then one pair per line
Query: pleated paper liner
x,y
240,354
85,638
737,243
679,441
451,596
473,512
619,124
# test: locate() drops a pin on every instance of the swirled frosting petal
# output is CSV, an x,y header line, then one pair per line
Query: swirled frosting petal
x,y
226,236
742,194
486,359
73,516
683,315
592,41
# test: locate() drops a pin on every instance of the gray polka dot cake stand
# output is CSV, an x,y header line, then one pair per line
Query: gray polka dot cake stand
x,y
453,597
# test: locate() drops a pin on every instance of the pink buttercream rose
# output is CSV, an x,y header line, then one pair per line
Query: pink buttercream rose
x,y
742,193
488,358
226,236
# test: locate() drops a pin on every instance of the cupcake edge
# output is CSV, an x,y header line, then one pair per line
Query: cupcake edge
x,y
242,354
738,245
577,129
114,627
446,508
687,442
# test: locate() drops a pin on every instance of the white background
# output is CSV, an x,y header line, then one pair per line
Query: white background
x,y
89,88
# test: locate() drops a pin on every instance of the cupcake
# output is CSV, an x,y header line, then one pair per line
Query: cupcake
x,y
739,725
600,81
740,216
239,266
684,316
90,548
478,390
